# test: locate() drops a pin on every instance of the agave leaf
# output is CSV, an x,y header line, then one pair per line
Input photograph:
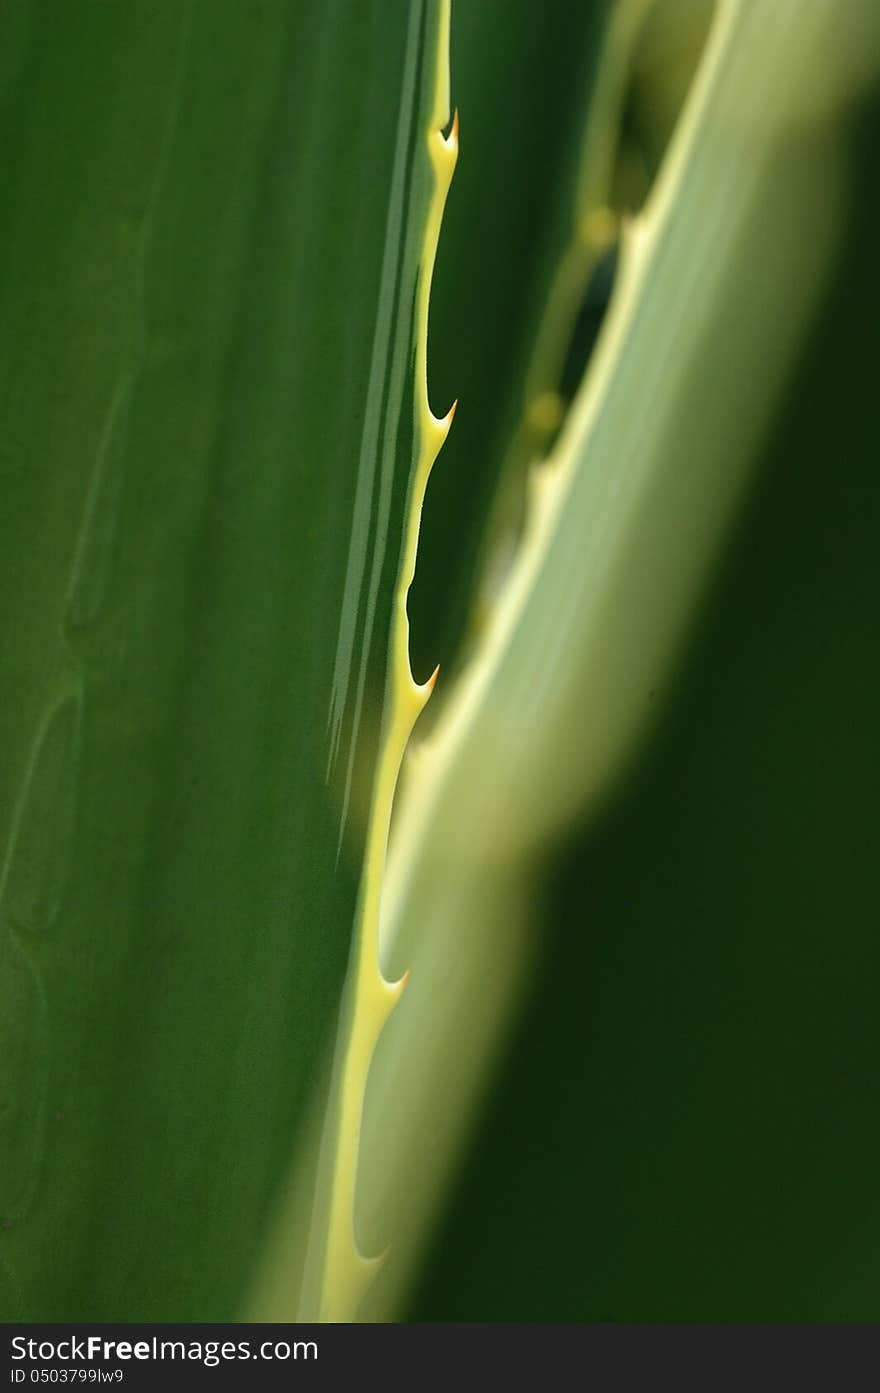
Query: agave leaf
x,y
518,192
213,217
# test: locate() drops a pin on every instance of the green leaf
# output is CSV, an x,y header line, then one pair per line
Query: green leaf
x,y
213,217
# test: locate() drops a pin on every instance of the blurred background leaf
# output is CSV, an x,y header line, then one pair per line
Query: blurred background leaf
x,y
686,1124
